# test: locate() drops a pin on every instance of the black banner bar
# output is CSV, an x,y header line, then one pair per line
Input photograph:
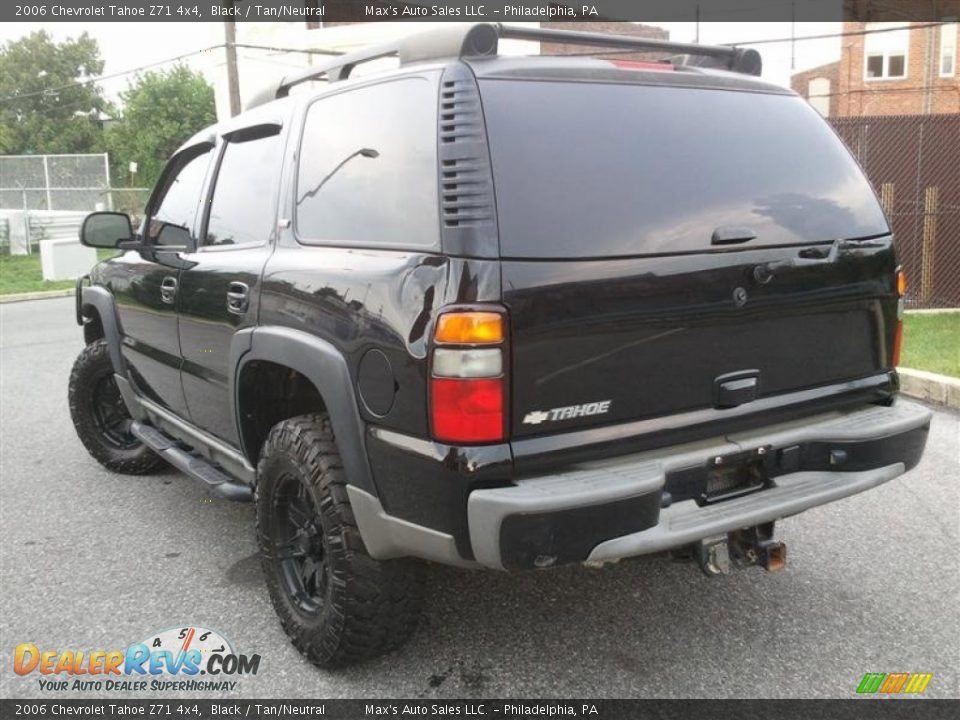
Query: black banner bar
x,y
324,11
854,709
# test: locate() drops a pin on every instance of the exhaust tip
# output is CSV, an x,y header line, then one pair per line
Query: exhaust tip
x,y
773,556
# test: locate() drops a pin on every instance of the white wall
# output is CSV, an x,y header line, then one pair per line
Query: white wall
x,y
818,94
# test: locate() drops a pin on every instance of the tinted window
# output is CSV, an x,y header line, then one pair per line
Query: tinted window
x,y
173,218
243,209
368,167
591,170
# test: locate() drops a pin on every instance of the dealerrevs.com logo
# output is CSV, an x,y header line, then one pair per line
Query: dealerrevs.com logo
x,y
894,683
171,660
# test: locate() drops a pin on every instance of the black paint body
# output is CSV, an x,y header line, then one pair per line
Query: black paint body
x,y
650,331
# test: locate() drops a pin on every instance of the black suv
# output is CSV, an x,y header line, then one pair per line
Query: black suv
x,y
501,312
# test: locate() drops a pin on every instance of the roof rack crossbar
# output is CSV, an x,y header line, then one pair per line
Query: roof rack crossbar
x,y
481,39
736,59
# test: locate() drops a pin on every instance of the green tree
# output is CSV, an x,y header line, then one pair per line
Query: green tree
x,y
45,107
161,110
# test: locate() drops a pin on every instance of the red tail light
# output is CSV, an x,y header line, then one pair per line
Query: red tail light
x,y
467,411
467,387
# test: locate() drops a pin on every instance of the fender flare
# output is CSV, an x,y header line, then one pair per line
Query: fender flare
x,y
102,301
324,366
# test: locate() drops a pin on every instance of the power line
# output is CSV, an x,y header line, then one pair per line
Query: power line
x,y
852,33
110,76
319,51
177,58
55,109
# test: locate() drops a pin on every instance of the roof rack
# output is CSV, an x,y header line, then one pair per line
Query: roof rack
x,y
482,39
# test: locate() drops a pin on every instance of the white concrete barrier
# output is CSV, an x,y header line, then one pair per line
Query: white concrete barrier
x,y
17,222
65,259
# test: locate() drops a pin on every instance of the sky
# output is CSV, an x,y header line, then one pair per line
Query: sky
x,y
126,45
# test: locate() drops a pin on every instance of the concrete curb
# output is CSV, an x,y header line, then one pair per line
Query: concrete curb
x,y
929,386
43,294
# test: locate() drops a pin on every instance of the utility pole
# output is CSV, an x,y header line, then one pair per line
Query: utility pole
x,y
233,81
793,35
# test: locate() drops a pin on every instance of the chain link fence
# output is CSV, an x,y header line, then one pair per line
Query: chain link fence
x,y
42,197
913,162
53,182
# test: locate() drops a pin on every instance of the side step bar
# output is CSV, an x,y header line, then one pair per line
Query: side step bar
x,y
196,467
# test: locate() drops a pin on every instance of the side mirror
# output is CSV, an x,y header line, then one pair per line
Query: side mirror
x,y
105,229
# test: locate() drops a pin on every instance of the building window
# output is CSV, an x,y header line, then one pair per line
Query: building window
x,y
948,50
885,51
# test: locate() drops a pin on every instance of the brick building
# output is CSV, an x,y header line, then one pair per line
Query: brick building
x,y
615,28
904,69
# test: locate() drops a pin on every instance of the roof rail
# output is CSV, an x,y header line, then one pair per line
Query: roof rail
x,y
481,40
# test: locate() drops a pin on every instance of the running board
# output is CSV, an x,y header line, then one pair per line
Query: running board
x,y
196,467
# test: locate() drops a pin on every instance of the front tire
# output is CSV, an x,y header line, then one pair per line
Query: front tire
x,y
101,418
338,605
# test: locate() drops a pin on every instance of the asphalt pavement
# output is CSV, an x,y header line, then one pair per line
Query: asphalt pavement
x,y
94,560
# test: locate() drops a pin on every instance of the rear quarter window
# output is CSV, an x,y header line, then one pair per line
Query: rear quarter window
x,y
368,167
608,170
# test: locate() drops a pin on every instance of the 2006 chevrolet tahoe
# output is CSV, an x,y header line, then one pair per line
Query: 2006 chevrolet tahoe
x,y
501,312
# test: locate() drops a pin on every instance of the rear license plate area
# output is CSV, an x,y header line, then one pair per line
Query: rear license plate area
x,y
721,478
730,476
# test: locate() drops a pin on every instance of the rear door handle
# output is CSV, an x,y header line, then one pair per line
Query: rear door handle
x,y
238,298
168,290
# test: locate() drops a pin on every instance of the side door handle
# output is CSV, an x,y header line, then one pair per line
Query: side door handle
x,y
168,290
238,298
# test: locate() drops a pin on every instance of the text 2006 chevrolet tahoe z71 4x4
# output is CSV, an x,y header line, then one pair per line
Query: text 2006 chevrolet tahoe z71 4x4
x,y
501,312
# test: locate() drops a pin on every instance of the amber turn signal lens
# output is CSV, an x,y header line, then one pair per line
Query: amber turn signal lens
x,y
469,328
901,283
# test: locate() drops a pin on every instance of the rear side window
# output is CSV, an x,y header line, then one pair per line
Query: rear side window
x,y
603,170
243,209
368,167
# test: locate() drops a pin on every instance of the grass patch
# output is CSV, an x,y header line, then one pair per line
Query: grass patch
x,y
22,274
931,342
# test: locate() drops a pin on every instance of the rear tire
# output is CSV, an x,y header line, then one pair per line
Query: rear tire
x,y
338,605
101,418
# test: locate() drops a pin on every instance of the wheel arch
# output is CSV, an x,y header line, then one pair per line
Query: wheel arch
x,y
98,315
324,367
